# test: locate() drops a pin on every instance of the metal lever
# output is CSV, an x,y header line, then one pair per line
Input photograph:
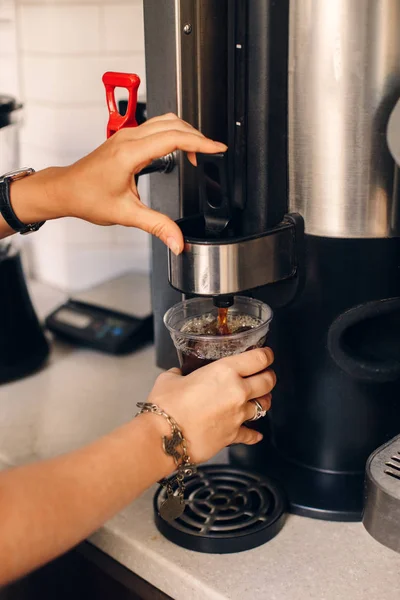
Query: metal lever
x,y
165,164
213,178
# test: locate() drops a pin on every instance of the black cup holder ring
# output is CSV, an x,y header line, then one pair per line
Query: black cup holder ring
x,y
365,341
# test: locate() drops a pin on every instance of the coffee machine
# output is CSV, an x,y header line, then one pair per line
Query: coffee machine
x,y
302,92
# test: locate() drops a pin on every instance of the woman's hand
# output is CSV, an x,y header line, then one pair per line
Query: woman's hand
x,y
100,188
50,506
211,404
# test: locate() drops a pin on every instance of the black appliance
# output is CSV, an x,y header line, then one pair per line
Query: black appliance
x,y
23,345
302,92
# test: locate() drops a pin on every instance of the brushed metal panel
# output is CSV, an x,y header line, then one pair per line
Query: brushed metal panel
x,y
344,79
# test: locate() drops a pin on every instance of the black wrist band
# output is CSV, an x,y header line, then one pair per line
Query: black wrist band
x,y
8,213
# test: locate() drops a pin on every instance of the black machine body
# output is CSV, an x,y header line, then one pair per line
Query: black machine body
x,y
310,177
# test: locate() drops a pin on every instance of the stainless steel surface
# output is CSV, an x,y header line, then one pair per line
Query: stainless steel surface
x,y
344,80
382,495
202,74
184,70
160,41
187,97
214,268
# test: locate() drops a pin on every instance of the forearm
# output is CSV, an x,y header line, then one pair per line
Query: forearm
x,y
48,507
36,198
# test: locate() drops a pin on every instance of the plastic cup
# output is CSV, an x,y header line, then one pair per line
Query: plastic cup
x,y
195,351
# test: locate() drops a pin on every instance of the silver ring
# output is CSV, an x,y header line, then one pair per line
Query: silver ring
x,y
259,413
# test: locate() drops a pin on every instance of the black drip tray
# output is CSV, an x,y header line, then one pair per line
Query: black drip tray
x,y
226,510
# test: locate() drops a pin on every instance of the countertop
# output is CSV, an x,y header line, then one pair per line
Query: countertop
x,y
81,394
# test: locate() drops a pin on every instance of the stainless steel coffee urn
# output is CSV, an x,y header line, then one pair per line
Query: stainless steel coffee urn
x,y
306,219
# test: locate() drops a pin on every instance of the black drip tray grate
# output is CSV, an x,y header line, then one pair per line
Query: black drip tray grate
x,y
226,510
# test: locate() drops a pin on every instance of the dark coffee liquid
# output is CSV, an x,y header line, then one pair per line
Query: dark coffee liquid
x,y
190,362
199,352
222,322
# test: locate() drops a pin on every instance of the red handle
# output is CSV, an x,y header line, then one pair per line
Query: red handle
x,y
131,82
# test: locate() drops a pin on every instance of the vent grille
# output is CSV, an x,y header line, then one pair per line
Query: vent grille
x,y
381,516
393,465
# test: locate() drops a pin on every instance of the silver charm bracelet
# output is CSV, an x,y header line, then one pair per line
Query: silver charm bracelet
x,y
174,505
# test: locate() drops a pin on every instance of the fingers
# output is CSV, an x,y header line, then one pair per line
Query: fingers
x,y
165,117
162,143
250,408
260,384
158,126
192,158
170,117
251,362
158,225
247,436
167,122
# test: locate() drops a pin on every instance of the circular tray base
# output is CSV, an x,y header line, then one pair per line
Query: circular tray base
x,y
226,510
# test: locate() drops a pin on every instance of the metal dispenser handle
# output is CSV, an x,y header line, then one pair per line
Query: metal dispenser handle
x,y
217,261
213,178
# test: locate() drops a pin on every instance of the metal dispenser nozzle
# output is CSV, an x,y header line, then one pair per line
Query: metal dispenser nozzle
x,y
217,260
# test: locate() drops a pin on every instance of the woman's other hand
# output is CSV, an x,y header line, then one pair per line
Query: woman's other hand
x,y
211,404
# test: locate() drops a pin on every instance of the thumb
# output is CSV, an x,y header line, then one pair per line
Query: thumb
x,y
247,436
160,226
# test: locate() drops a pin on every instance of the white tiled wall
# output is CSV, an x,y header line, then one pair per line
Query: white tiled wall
x,y
64,47
9,82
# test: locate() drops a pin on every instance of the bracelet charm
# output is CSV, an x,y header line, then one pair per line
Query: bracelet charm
x,y
173,507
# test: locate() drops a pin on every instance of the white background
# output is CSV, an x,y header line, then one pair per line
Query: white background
x,y
53,54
